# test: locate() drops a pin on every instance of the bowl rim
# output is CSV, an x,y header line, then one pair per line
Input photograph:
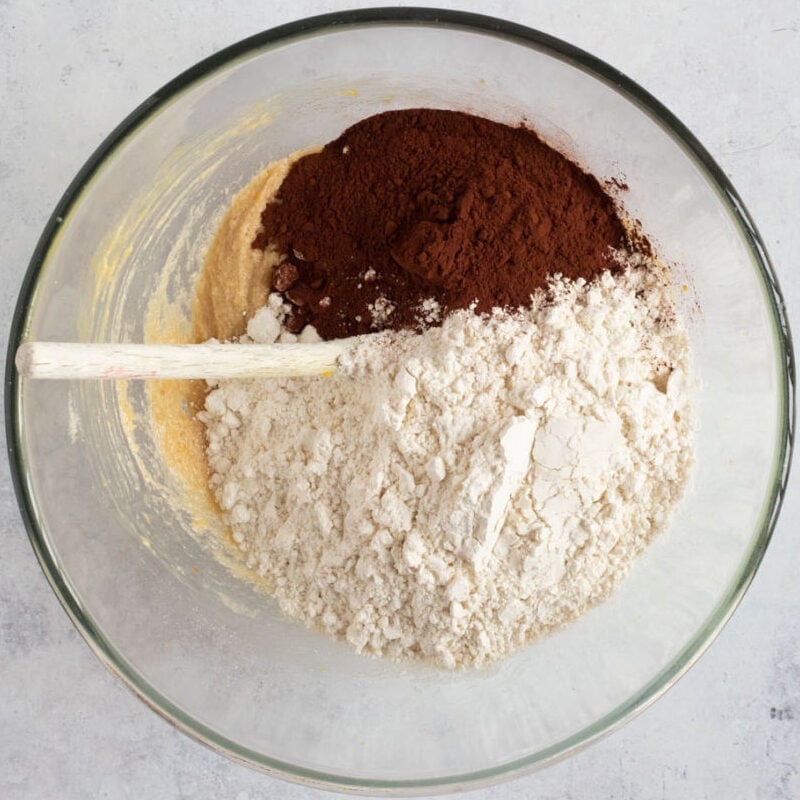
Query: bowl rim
x,y
515,34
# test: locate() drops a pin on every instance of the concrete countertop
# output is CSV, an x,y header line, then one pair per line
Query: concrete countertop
x,y
72,70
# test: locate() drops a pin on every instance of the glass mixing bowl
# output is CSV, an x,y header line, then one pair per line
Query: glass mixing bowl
x,y
121,548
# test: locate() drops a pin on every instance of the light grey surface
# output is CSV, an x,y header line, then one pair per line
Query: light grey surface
x,y
70,72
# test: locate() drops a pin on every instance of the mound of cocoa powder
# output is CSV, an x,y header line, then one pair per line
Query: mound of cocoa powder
x,y
409,206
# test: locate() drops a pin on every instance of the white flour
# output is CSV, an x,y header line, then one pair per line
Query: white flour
x,y
460,492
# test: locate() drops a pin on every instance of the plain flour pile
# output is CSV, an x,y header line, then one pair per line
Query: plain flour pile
x,y
454,494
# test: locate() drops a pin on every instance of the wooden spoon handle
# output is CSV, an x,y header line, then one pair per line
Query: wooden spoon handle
x,y
78,361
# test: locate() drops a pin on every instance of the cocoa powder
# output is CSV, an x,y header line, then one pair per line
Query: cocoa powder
x,y
411,206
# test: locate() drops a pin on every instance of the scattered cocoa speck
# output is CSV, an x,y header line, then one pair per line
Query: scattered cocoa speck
x,y
296,321
285,276
297,296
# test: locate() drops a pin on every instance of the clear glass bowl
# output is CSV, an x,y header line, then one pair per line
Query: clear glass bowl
x,y
206,649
